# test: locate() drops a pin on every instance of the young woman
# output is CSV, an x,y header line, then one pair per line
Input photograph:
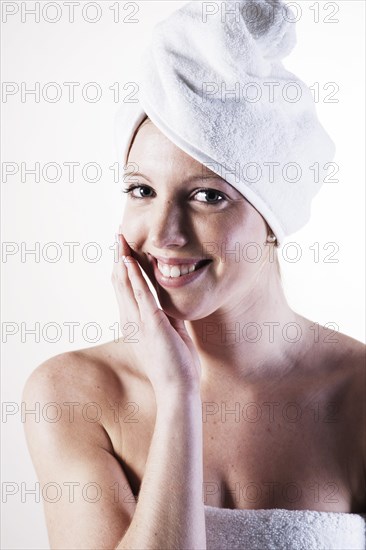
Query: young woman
x,y
222,419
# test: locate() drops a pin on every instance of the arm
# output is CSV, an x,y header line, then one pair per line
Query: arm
x,y
170,512
76,457
70,455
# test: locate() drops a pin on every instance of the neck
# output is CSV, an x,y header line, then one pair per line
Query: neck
x,y
251,337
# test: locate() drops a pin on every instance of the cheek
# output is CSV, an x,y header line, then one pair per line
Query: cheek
x,y
241,242
247,226
134,229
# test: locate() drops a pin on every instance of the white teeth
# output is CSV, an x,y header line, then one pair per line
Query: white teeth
x,y
175,271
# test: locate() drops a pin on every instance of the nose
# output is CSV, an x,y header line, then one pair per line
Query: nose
x,y
168,227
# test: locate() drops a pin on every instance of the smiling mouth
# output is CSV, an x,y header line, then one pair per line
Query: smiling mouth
x,y
174,271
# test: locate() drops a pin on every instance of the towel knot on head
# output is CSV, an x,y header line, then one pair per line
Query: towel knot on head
x,y
212,80
272,25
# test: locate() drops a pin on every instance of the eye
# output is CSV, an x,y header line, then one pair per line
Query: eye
x,y
210,193
206,192
133,187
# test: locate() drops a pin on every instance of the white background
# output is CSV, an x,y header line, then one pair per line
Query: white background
x,y
82,212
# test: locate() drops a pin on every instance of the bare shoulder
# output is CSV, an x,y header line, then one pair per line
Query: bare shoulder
x,y
70,445
351,361
354,363
336,367
339,362
350,355
345,358
88,366
84,375
75,395
333,352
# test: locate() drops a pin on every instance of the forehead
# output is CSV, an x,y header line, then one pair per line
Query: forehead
x,y
154,154
151,144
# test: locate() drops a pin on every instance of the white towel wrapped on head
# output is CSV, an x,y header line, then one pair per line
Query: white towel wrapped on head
x,y
212,80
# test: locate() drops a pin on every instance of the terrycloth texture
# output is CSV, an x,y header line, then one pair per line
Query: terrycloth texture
x,y
280,529
215,85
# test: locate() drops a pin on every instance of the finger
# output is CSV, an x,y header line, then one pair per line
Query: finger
x,y
123,288
126,249
180,327
178,324
119,270
148,307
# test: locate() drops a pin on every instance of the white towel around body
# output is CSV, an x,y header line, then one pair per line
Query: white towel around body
x,y
281,529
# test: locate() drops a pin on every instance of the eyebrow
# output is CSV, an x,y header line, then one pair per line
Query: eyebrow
x,y
192,178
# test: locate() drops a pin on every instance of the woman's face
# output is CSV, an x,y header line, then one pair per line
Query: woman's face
x,y
169,215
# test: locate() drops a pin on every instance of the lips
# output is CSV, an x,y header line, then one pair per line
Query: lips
x,y
174,282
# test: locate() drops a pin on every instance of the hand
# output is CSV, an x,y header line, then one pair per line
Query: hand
x,y
165,349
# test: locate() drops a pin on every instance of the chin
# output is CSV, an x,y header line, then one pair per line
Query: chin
x,y
181,312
